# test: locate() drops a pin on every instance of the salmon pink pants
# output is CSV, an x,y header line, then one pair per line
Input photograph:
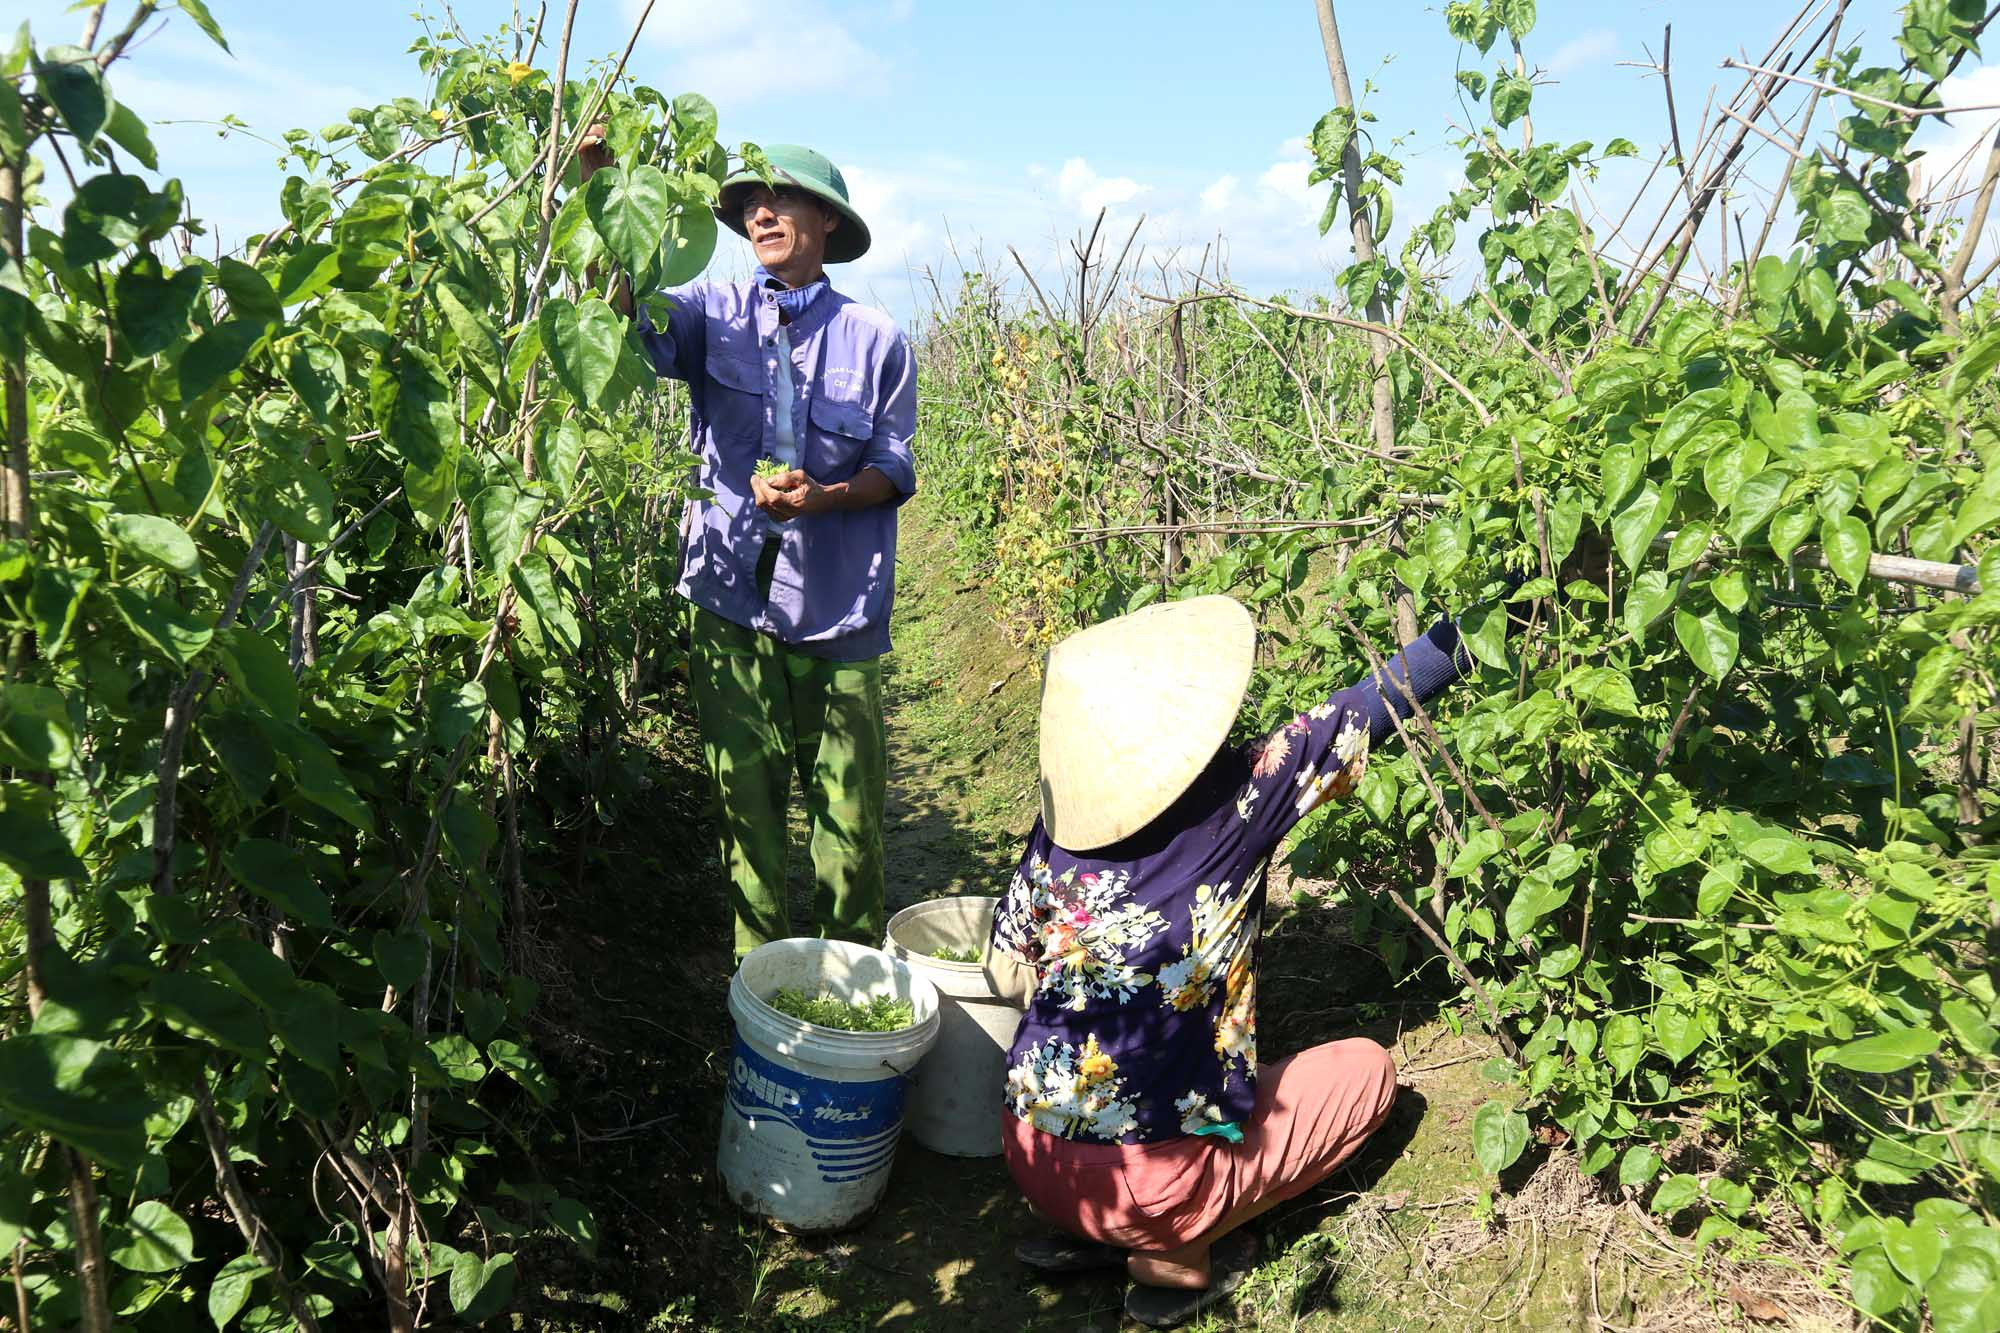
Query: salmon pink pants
x,y
1313,1110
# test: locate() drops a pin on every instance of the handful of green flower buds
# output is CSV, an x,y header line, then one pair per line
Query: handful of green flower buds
x,y
768,468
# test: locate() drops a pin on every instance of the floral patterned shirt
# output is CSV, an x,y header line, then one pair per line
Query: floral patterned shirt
x,y
1143,1023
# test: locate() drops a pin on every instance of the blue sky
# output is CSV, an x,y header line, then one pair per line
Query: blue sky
x,y
998,125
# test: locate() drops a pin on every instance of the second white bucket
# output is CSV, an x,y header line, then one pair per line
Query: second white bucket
x,y
955,1106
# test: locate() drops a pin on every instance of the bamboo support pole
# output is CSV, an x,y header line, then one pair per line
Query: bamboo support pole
x,y
1900,569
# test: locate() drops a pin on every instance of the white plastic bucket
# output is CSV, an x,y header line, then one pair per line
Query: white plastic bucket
x,y
955,1106
810,1123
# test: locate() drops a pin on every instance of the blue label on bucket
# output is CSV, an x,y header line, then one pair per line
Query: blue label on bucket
x,y
850,1129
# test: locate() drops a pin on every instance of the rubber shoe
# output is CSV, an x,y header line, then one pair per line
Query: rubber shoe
x,y
1232,1260
1062,1253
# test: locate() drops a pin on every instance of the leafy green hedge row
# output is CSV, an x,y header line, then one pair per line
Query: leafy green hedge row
x,y
1715,838
309,552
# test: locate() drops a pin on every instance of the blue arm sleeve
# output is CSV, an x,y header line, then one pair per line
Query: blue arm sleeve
x,y
1433,661
889,451
678,350
1321,755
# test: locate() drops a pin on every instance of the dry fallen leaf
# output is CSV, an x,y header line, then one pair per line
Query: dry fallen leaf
x,y
1755,1304
1553,1135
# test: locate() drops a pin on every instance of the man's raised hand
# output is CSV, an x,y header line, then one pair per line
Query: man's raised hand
x,y
594,154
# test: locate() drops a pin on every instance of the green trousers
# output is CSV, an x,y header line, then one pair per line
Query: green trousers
x,y
768,713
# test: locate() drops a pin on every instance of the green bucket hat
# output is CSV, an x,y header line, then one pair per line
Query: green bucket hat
x,y
811,172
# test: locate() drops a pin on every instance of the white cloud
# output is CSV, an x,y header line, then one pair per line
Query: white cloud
x,y
1958,148
1286,179
1586,48
898,233
1956,154
1079,185
735,52
692,24
1216,198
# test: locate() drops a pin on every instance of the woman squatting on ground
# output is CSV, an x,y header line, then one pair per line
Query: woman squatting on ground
x,y
1137,1118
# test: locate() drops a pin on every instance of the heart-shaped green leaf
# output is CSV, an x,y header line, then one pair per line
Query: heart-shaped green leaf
x,y
69,80
1632,532
1964,1293
35,731
1624,1043
690,244
1710,639
155,540
1756,500
152,311
1639,1165
162,625
1729,467
1536,897
316,374
1677,1031
501,517
216,354
250,294
230,1291
454,712
1788,528
157,1240
196,1004
1479,848
1499,1136
583,344
1845,541
1718,886
1689,545
1915,1249
1484,631
629,211
479,349
479,1287
1885,1052
1878,1291
296,496
1648,598
1675,1193
1778,854
281,876
413,406
30,840
1511,95
1603,687
1620,467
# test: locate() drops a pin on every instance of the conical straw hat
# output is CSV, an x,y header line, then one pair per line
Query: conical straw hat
x,y
1132,712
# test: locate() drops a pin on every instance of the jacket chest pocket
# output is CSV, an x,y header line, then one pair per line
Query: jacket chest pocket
x,y
840,432
734,400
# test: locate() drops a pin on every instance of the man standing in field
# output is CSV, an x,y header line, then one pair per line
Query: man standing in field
x,y
803,406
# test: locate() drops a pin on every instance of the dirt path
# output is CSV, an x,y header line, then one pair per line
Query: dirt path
x,y
938,1255
1407,1237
